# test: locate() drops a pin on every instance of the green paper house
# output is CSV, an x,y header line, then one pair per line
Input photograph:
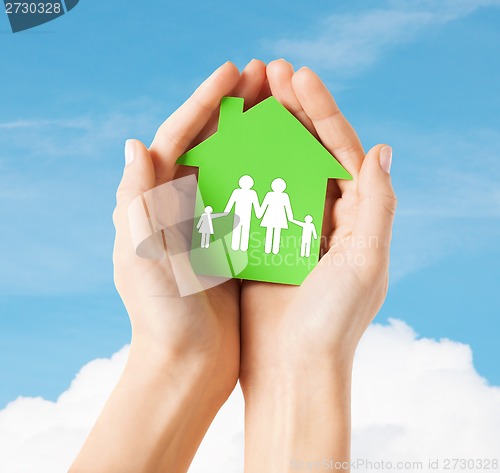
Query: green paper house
x,y
262,180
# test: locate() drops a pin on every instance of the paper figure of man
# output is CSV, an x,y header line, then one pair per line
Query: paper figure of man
x,y
243,199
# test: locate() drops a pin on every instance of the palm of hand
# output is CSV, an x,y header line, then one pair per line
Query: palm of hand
x,y
206,323
196,324
325,317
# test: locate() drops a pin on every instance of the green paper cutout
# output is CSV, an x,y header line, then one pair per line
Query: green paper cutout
x,y
271,146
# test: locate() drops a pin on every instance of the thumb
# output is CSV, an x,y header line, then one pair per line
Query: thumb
x,y
138,177
377,204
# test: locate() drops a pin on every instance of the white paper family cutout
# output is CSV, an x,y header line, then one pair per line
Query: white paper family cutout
x,y
274,214
244,168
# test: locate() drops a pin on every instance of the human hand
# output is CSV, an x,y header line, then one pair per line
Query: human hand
x,y
325,317
298,343
204,326
184,356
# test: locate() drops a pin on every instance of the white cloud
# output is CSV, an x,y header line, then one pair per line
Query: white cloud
x,y
43,436
350,42
420,398
413,399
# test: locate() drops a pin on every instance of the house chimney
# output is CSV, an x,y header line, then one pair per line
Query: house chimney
x,y
230,109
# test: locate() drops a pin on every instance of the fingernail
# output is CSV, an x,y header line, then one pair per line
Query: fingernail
x,y
385,158
129,152
218,69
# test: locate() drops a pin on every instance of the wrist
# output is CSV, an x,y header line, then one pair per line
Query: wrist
x,y
169,401
306,414
279,367
296,385
192,369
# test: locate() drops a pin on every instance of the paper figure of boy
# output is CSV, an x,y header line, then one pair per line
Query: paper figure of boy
x,y
308,233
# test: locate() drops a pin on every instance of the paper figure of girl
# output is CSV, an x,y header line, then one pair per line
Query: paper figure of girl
x,y
205,227
276,211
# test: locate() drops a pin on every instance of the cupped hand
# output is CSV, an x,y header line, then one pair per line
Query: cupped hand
x,y
319,324
204,327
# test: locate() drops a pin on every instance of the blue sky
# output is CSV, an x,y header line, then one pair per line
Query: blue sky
x,y
420,75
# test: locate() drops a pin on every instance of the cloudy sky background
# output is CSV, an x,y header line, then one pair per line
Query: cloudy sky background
x,y
421,75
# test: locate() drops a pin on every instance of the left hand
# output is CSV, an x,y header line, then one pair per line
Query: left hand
x,y
184,356
316,325
203,327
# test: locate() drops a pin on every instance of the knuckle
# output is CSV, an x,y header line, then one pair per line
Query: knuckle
x,y
122,191
114,217
354,149
118,281
375,277
388,201
176,139
204,104
117,273
391,203
120,273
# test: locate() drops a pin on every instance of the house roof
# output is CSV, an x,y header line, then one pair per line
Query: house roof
x,y
267,132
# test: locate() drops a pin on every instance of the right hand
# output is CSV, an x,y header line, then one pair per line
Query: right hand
x,y
319,324
203,328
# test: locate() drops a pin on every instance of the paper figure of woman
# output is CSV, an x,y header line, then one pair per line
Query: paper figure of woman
x,y
277,212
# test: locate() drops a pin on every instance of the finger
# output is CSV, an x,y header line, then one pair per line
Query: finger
x,y
264,93
335,132
332,195
138,175
176,134
279,75
377,202
251,81
138,178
